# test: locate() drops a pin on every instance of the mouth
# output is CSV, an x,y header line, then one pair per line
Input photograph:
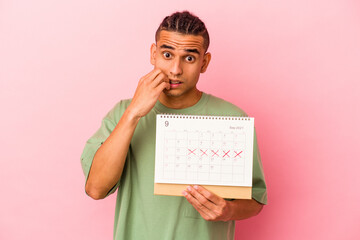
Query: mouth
x,y
174,83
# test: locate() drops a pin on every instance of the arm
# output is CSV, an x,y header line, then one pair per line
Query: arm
x,y
214,208
109,160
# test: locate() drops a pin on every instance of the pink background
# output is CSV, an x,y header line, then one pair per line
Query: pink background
x,y
293,65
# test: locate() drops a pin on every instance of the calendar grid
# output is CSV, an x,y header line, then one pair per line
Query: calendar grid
x,y
202,156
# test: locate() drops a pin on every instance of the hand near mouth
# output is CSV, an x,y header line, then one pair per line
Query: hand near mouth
x,y
148,92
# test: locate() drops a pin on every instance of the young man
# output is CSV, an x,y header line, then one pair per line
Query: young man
x,y
121,154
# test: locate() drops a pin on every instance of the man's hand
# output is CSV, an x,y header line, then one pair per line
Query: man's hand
x,y
210,206
109,160
147,92
214,208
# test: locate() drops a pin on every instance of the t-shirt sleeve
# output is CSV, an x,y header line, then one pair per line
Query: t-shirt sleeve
x,y
259,192
93,144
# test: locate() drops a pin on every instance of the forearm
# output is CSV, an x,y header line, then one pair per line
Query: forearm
x,y
109,160
243,208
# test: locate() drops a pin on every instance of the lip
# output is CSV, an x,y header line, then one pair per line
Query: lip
x,y
174,83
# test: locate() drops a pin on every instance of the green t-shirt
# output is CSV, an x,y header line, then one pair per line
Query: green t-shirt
x,y
139,214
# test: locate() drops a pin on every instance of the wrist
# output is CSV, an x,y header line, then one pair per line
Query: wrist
x,y
230,210
131,115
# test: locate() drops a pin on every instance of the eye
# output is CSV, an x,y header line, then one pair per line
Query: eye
x,y
190,58
167,54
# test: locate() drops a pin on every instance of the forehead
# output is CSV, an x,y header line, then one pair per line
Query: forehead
x,y
181,41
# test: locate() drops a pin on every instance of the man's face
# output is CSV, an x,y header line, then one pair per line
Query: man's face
x,y
182,58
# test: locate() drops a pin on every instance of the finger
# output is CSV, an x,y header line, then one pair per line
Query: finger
x,y
204,212
201,199
162,86
209,195
159,79
151,75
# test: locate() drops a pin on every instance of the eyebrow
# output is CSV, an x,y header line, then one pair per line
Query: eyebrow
x,y
186,50
192,51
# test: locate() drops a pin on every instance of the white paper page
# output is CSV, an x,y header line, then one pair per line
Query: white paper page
x,y
204,150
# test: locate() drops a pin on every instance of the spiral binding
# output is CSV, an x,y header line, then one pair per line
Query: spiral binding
x,y
183,116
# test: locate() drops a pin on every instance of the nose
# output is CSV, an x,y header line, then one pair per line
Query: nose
x,y
176,68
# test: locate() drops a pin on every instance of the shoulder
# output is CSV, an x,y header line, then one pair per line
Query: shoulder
x,y
223,107
117,111
122,104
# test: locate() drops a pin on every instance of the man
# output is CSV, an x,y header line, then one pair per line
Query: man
x,y
121,153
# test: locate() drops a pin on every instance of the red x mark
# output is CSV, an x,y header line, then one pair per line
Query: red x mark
x,y
238,154
203,152
215,153
192,152
226,153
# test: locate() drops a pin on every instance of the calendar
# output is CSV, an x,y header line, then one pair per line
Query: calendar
x,y
204,150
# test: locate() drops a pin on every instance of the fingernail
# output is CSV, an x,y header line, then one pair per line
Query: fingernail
x,y
189,188
184,193
196,187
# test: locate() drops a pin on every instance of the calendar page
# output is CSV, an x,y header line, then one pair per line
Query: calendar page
x,y
206,150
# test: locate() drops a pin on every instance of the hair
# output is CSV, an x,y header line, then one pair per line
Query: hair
x,y
185,23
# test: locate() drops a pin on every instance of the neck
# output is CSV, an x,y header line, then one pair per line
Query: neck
x,y
180,102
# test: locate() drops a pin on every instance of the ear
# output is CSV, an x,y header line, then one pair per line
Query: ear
x,y
206,61
152,53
